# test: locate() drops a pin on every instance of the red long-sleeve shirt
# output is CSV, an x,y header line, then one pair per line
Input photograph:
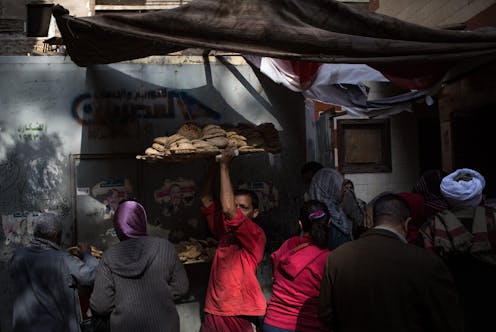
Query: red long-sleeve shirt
x,y
233,289
296,288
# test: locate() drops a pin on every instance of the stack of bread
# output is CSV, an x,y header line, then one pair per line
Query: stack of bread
x,y
75,251
194,250
270,136
191,139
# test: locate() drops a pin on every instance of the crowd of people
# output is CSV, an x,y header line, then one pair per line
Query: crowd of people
x,y
423,260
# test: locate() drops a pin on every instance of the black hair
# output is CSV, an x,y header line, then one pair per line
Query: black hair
x,y
391,205
130,199
314,218
248,192
346,181
311,166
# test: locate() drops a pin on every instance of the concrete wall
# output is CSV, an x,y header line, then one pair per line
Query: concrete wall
x,y
439,13
17,8
14,26
53,110
404,160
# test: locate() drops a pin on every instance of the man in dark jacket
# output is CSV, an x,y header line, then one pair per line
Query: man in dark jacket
x,y
46,277
381,283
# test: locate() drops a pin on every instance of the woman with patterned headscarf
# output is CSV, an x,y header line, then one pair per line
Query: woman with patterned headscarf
x,y
138,278
326,187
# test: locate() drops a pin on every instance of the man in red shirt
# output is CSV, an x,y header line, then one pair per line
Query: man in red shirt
x,y
234,297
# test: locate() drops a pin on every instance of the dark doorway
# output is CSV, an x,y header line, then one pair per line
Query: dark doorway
x,y
429,137
473,137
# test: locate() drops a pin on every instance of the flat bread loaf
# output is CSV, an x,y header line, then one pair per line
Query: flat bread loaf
x,y
190,131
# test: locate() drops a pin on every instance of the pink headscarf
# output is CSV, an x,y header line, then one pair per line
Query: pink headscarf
x,y
130,220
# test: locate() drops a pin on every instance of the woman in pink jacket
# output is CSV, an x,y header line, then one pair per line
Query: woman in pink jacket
x,y
298,266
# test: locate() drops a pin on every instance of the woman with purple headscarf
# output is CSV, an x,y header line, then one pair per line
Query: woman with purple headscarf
x,y
130,220
138,278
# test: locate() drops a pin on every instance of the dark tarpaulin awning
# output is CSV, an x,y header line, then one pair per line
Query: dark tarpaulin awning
x,y
305,30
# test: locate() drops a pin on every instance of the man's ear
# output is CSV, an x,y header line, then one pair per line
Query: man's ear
x,y
255,213
300,224
405,225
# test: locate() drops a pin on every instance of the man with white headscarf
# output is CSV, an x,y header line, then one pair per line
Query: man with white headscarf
x,y
463,187
460,235
463,226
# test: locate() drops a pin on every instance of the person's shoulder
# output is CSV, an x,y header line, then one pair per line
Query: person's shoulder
x,y
291,243
153,240
421,255
347,247
125,246
212,207
162,243
260,231
21,251
244,219
322,256
346,252
19,254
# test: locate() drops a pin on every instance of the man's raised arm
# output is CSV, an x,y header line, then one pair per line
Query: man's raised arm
x,y
226,190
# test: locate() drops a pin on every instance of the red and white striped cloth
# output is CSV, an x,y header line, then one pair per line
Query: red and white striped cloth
x,y
445,233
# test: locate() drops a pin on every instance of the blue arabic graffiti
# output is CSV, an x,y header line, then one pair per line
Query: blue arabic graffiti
x,y
123,106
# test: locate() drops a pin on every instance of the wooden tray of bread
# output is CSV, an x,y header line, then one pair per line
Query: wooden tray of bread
x,y
194,142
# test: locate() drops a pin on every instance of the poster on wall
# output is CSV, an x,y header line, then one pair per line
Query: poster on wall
x,y
101,182
18,227
172,196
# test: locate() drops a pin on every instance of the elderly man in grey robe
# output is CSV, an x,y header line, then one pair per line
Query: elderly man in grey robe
x,y
465,237
46,279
